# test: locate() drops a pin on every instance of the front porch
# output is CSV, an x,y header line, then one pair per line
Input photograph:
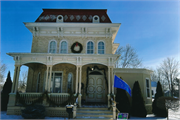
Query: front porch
x,y
49,72
87,110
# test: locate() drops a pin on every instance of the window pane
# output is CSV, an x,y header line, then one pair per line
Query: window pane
x,y
147,83
90,47
63,47
52,46
148,94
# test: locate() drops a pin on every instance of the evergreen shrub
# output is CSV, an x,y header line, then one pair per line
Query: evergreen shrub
x,y
123,101
5,93
159,111
138,107
34,112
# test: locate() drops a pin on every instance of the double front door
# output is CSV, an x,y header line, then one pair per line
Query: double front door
x,y
96,89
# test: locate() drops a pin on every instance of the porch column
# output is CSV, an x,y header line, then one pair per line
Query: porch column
x,y
47,72
77,68
109,85
49,84
14,79
17,78
112,80
79,97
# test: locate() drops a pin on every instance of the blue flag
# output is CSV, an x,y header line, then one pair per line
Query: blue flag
x,y
118,83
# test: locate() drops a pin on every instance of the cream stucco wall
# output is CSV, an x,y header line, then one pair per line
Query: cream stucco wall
x,y
130,75
40,43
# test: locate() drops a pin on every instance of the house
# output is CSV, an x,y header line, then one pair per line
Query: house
x,y
73,50
153,88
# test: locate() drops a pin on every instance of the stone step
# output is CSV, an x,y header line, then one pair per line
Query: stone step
x,y
94,118
89,108
109,115
94,111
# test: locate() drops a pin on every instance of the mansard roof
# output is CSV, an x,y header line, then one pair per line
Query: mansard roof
x,y
74,15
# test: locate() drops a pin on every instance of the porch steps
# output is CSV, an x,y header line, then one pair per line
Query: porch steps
x,y
94,113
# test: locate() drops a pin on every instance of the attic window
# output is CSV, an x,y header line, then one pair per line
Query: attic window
x,y
96,19
59,18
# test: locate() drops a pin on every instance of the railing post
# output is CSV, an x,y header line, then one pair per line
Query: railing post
x,y
74,110
114,110
12,99
45,103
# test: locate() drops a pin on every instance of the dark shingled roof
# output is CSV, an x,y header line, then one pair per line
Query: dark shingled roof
x,y
74,15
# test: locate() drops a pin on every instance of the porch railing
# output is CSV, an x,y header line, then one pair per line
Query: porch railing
x,y
59,98
31,97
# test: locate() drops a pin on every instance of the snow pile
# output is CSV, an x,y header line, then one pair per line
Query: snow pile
x,y
4,116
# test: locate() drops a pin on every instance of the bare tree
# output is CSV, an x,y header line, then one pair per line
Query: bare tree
x,y
2,70
170,71
128,58
23,81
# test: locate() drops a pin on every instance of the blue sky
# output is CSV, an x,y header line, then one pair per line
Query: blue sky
x,y
151,27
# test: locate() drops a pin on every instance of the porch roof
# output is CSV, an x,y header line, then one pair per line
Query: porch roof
x,y
52,59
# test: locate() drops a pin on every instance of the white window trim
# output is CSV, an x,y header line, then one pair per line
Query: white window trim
x,y
72,82
60,46
149,89
53,81
104,46
93,46
61,80
49,45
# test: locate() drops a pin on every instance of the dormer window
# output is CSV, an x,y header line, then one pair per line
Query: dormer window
x,y
96,19
59,18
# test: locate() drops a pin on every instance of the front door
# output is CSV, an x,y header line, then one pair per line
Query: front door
x,y
96,89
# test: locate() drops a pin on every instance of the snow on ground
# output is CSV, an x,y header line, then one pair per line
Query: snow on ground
x,y
5,116
173,115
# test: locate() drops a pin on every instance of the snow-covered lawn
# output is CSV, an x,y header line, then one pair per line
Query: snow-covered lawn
x,y
4,116
172,116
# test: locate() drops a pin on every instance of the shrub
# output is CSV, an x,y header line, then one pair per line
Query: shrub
x,y
123,101
34,112
138,107
159,111
5,93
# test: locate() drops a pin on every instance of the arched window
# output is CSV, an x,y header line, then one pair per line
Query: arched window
x,y
52,47
101,47
70,83
63,47
90,47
